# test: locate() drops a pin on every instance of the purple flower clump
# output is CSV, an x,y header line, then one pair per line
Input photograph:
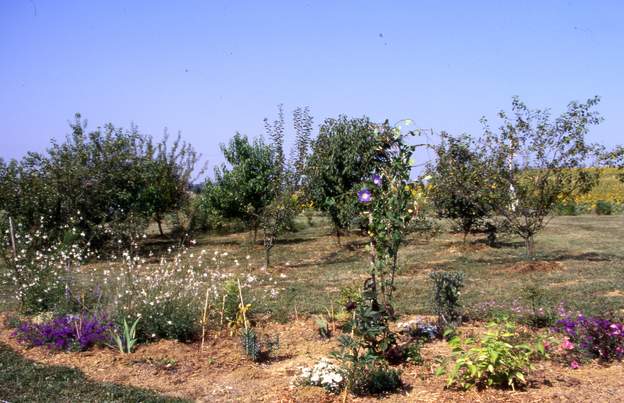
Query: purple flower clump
x,y
66,332
598,337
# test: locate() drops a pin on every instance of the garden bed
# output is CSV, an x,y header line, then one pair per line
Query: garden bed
x,y
221,372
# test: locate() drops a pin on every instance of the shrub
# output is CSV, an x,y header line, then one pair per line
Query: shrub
x,y
323,327
255,348
412,352
490,361
567,208
373,378
603,208
594,337
539,314
446,294
65,333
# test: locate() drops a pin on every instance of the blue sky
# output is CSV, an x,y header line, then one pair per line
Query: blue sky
x,y
211,68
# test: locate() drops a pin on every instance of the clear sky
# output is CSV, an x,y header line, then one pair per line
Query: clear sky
x,y
211,68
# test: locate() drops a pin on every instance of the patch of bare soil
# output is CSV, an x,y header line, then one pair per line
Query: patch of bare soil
x,y
221,373
534,266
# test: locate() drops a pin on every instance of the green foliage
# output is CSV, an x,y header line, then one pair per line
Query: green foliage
x,y
490,361
388,210
567,207
126,342
175,318
240,190
286,182
458,185
603,207
254,348
231,301
446,297
540,313
533,163
342,157
323,327
412,352
102,177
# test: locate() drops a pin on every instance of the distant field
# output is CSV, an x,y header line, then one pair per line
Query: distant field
x,y
609,189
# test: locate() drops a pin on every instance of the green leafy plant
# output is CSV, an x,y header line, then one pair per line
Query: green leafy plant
x,y
323,327
603,208
366,373
412,352
127,341
491,360
446,297
457,181
255,348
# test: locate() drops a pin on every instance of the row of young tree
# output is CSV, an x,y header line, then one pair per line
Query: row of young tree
x,y
114,177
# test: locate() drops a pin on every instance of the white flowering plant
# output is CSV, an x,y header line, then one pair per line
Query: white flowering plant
x,y
324,374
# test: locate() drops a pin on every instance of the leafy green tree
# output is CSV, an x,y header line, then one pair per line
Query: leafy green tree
x,y
341,158
277,216
534,162
458,185
169,172
101,178
239,191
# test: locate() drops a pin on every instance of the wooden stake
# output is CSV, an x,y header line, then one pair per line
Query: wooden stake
x,y
204,318
240,293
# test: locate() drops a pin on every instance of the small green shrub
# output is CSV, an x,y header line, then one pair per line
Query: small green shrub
x,y
412,353
539,314
567,208
446,295
323,327
491,361
603,208
256,349
231,301
375,380
176,317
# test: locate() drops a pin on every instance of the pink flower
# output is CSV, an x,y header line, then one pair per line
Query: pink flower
x,y
567,344
574,365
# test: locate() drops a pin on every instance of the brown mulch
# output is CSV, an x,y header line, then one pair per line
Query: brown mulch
x,y
221,373
534,266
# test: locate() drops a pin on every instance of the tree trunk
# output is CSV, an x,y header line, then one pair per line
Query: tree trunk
x,y
267,256
160,230
529,242
338,236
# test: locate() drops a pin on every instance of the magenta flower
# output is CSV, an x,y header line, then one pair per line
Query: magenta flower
x,y
567,344
377,180
574,365
364,196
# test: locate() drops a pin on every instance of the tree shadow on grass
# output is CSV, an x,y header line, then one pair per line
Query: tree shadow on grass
x,y
23,380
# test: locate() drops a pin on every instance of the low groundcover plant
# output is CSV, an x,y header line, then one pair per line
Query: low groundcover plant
x,y
66,333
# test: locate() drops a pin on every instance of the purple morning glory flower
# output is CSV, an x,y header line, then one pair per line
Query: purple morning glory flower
x,y
364,196
377,180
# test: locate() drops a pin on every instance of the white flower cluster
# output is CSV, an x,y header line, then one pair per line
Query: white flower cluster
x,y
323,374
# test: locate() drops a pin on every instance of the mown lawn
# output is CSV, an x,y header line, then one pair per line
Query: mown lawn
x,y
22,380
585,256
